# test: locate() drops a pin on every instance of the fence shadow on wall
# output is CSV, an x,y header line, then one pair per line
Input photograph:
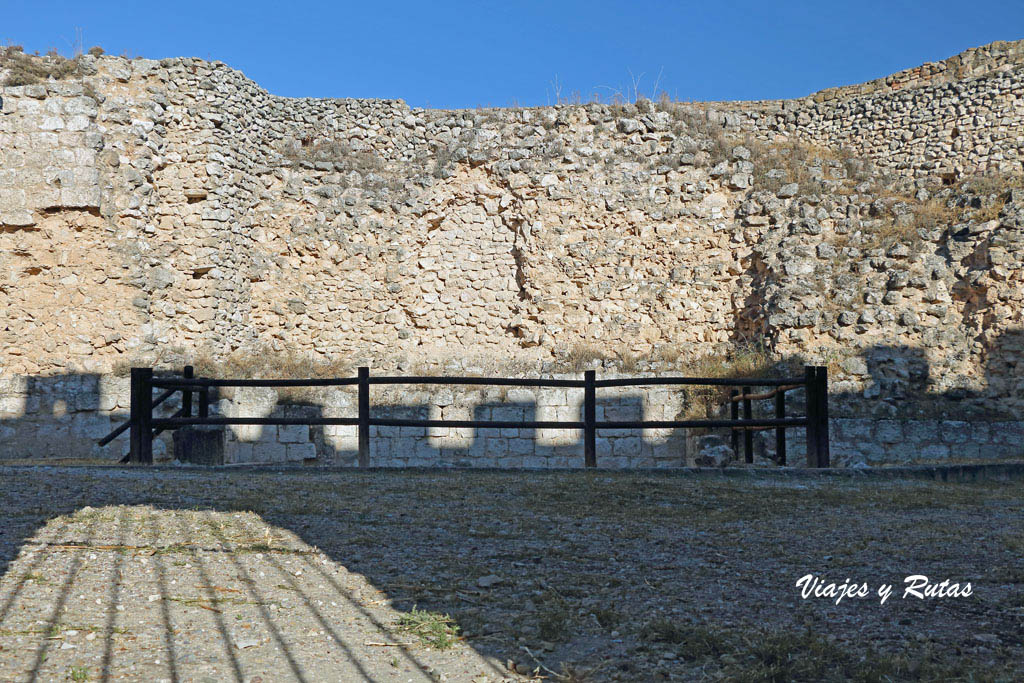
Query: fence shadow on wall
x,y
59,417
464,447
56,417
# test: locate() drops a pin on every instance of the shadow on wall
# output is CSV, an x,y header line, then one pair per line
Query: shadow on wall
x,y
1004,371
510,447
902,384
64,416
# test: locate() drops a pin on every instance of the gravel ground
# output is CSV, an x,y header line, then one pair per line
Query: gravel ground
x,y
215,575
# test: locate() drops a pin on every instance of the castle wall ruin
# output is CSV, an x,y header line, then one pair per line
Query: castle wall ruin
x,y
173,205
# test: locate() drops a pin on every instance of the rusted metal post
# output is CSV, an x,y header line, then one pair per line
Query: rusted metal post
x,y
364,417
141,416
589,419
748,434
780,433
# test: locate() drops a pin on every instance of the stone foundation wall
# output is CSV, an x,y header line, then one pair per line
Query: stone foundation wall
x,y
64,417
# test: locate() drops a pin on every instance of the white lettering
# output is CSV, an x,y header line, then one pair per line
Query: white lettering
x,y
917,582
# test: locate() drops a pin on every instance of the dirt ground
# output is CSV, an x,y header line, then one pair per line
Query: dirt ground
x,y
193,575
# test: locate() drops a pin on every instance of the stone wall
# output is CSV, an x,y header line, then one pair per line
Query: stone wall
x,y
971,63
946,129
64,417
151,211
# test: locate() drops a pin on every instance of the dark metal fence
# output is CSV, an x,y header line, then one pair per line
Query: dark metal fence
x,y
143,425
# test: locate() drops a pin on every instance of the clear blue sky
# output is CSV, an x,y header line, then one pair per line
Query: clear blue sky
x,y
441,53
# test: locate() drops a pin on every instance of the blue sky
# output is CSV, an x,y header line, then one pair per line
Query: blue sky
x,y
468,54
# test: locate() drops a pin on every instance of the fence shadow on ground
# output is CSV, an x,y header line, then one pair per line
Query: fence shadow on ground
x,y
176,590
233,575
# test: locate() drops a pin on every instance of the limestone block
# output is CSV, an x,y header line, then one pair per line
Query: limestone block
x,y
292,434
511,461
12,406
626,446
981,432
922,431
383,451
955,431
851,429
888,432
497,447
238,453
297,452
935,451
1008,434
268,452
521,446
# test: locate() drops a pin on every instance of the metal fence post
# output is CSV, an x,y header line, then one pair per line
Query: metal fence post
x,y
589,419
780,432
364,417
186,394
813,406
141,416
748,434
821,376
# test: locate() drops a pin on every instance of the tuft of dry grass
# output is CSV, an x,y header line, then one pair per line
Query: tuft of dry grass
x,y
976,198
260,362
264,362
748,360
809,166
745,360
580,357
992,191
26,69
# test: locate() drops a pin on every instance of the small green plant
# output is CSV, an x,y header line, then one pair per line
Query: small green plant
x,y
607,617
79,673
696,642
433,629
555,624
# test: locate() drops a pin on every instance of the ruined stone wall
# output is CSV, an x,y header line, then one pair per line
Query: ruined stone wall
x,y
945,129
155,210
971,63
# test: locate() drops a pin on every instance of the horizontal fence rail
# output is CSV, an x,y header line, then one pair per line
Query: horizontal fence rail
x,y
143,425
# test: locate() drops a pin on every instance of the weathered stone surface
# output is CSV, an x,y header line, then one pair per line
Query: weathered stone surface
x,y
158,211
